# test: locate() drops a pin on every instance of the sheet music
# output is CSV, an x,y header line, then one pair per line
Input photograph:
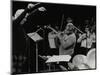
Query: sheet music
x,y
35,36
59,58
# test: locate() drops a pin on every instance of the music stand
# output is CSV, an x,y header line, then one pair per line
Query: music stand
x,y
57,59
36,37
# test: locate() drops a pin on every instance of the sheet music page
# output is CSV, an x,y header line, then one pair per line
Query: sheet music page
x,y
59,58
35,36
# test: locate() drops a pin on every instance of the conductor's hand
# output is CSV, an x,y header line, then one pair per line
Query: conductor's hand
x,y
30,6
41,9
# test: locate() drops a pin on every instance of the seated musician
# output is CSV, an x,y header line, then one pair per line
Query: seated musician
x,y
86,41
53,42
67,44
67,41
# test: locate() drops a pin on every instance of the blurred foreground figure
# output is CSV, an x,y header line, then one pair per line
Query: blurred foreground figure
x,y
20,38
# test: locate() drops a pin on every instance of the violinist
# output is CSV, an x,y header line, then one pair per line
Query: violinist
x,y
86,40
67,38
67,41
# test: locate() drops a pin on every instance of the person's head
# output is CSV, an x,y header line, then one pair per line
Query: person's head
x,y
86,22
69,20
57,28
86,29
69,28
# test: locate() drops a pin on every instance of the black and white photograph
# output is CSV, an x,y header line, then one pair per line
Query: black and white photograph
x,y
52,37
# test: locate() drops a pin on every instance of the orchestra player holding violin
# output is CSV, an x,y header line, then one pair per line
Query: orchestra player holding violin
x,y
66,38
87,41
67,41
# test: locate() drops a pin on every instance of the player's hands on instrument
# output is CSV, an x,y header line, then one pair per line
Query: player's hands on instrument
x,y
60,35
83,36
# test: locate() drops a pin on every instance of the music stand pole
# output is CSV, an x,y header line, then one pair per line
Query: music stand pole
x,y
37,52
36,39
36,56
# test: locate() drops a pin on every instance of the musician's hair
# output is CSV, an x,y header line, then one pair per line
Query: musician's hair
x,y
69,20
89,28
72,27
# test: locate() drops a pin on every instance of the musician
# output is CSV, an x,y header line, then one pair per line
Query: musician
x,y
67,40
53,41
86,41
